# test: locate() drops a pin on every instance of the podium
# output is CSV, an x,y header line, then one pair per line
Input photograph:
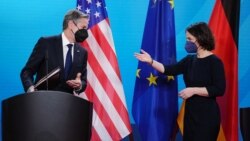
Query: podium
x,y
46,116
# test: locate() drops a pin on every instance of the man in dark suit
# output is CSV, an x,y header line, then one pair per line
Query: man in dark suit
x,y
61,51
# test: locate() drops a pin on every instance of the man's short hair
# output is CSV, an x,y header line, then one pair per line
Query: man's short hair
x,y
73,15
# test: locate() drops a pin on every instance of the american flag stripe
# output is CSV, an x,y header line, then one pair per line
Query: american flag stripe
x,y
98,58
105,43
101,131
106,30
101,97
99,108
104,89
99,121
109,90
95,136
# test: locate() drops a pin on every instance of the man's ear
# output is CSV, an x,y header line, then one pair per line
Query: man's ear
x,y
71,24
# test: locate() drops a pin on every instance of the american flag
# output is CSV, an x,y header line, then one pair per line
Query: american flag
x,y
105,89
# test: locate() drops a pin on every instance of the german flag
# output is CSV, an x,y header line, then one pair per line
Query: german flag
x,y
224,23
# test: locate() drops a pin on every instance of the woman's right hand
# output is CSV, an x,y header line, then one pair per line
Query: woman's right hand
x,y
144,57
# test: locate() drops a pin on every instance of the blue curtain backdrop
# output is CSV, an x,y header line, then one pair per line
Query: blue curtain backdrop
x,y
24,21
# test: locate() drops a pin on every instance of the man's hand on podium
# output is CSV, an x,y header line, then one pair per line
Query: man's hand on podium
x,y
31,89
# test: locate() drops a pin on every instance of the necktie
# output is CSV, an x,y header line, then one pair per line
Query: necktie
x,y
68,62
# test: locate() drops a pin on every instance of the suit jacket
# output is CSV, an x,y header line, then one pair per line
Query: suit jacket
x,y
50,50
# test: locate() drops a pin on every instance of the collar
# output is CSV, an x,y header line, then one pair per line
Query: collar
x,y
65,40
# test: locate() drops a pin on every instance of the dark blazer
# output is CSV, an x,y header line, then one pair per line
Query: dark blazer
x,y
50,49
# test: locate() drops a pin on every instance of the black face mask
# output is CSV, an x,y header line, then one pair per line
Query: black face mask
x,y
81,34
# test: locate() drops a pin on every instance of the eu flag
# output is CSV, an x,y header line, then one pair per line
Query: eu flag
x,y
155,101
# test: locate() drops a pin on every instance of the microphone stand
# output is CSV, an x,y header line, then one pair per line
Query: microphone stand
x,y
47,68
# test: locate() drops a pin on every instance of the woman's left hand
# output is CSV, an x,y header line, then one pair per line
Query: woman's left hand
x,y
186,93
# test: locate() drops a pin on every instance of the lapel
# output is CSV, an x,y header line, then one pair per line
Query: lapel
x,y
59,54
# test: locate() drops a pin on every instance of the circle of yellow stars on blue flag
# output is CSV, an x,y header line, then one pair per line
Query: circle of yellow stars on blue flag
x,y
152,79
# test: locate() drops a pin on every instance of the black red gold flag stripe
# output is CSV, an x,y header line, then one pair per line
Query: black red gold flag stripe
x,y
224,23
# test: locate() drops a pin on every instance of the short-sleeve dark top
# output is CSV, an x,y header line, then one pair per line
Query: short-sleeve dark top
x,y
201,113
